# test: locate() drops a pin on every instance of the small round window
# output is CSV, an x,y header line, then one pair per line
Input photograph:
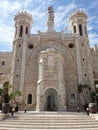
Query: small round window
x,y
31,46
71,45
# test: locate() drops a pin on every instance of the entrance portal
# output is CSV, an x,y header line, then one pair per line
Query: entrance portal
x,y
50,103
51,100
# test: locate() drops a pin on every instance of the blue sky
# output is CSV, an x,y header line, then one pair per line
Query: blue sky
x,y
38,9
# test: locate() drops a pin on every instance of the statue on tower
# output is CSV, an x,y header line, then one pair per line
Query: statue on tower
x,y
50,13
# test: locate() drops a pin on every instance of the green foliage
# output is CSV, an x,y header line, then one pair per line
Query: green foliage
x,y
1,92
17,93
14,94
96,90
7,86
6,98
80,88
93,96
83,86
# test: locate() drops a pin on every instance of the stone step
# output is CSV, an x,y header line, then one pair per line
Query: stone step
x,y
50,121
66,121
51,113
47,118
2,128
48,126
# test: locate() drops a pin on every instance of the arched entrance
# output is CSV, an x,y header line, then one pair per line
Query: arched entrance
x,y
51,100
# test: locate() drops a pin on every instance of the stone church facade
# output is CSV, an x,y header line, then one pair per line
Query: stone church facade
x,y
47,67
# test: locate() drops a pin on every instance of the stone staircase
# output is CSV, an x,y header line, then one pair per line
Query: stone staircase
x,y
49,120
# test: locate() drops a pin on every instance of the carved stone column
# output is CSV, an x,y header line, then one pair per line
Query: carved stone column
x,y
40,106
61,83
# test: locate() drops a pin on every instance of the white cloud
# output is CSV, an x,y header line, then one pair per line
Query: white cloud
x,y
27,3
7,32
94,4
89,27
93,39
91,18
7,7
62,13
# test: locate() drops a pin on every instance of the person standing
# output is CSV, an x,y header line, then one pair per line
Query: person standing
x,y
12,111
78,109
25,110
87,109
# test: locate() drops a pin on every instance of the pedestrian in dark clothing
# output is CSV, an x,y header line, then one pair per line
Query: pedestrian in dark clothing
x,y
78,109
25,110
16,108
87,110
12,111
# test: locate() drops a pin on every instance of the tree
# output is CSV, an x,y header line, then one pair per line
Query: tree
x,y
13,94
82,88
6,97
5,93
93,97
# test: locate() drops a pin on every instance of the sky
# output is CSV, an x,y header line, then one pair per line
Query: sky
x,y
39,12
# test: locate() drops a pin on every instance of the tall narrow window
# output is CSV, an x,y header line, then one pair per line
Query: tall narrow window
x,y
26,30
21,31
30,99
74,28
80,30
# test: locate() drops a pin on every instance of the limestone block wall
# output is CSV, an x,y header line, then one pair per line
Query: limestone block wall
x,y
63,45
94,54
85,62
16,63
5,67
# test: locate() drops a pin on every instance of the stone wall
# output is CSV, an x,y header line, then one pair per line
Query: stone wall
x,y
94,52
5,67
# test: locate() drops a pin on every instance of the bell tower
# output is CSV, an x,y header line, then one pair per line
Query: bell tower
x,y
23,22
78,23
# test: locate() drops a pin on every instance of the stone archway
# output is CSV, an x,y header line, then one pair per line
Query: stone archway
x,y
51,100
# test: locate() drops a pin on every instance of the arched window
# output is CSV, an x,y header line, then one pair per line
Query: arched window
x,y
74,28
21,31
29,98
26,30
72,98
80,30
